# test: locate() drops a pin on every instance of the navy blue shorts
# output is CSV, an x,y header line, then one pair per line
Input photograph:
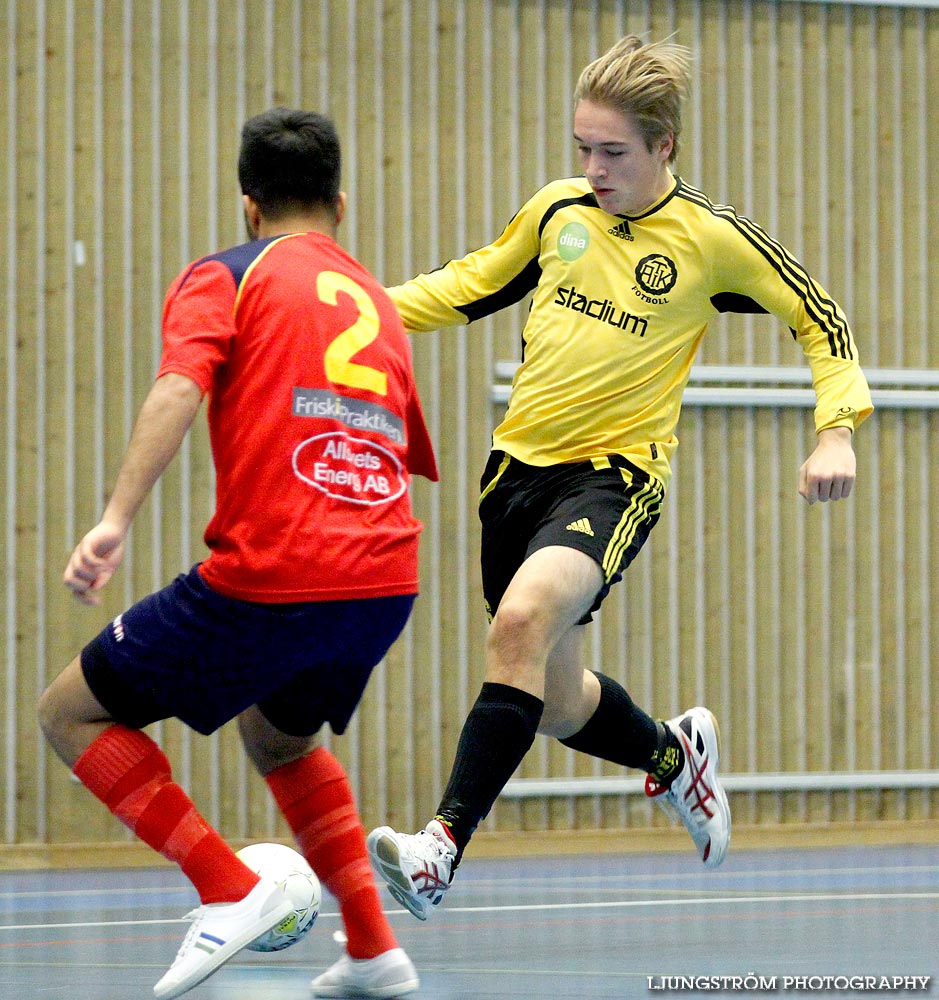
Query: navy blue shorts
x,y
190,653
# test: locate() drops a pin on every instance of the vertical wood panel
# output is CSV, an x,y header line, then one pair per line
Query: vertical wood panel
x,y
479,52
398,673
811,631
929,337
557,127
9,393
423,763
30,282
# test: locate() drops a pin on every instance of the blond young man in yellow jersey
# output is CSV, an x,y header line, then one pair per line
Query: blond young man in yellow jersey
x,y
627,266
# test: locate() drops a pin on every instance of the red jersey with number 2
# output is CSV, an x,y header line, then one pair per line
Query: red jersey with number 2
x,y
314,420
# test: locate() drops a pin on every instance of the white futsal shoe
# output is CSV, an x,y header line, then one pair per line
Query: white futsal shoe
x,y
695,796
416,867
219,931
390,974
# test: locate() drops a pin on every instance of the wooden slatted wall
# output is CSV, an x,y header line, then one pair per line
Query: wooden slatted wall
x,y
812,632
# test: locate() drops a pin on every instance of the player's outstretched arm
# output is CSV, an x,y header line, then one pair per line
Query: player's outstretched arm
x,y
829,472
166,415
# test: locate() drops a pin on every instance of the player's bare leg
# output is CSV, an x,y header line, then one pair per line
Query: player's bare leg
x,y
70,716
268,747
550,592
571,692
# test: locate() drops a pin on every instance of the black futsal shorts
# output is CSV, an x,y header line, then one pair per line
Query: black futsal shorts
x,y
604,508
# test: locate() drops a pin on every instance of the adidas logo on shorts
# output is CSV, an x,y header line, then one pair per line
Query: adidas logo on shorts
x,y
582,524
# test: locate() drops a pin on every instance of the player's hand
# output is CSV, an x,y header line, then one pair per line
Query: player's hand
x,y
94,561
829,472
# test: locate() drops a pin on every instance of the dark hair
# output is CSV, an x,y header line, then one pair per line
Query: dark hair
x,y
289,161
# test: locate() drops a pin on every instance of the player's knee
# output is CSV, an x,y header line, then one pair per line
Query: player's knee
x,y
269,757
517,648
267,747
51,713
518,621
510,639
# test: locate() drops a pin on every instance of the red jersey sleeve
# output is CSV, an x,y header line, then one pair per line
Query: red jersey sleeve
x,y
199,322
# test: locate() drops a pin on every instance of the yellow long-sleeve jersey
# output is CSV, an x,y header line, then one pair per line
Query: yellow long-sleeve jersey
x,y
619,308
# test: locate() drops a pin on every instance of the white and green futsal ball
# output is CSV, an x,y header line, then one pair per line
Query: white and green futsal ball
x,y
288,869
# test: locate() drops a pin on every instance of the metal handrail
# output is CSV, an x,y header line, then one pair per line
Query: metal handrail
x,y
778,386
830,781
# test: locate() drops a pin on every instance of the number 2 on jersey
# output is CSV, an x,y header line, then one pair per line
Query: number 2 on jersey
x,y
338,357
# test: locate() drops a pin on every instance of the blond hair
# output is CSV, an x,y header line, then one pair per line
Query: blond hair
x,y
645,81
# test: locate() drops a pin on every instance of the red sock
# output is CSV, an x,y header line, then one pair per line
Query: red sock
x,y
130,774
316,799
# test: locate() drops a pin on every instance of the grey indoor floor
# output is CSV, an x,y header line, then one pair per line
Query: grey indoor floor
x,y
562,927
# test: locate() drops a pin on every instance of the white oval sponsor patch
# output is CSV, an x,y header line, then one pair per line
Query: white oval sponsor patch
x,y
348,468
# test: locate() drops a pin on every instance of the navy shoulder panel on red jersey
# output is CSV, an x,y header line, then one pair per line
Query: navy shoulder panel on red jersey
x,y
237,260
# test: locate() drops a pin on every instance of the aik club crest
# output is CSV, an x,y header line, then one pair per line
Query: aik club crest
x,y
656,274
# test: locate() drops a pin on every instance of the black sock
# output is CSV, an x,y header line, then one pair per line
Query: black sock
x,y
497,734
668,758
619,731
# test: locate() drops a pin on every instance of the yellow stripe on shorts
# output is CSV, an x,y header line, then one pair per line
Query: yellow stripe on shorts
x,y
503,465
643,505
